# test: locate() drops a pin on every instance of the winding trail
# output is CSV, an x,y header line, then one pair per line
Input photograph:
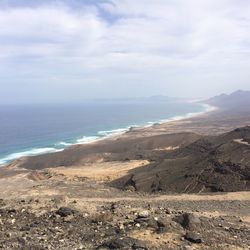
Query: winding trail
x,y
241,141
235,196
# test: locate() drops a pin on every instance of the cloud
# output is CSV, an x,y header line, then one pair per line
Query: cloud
x,y
151,46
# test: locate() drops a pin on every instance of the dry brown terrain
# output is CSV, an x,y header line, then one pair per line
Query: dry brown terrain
x,y
105,214
104,195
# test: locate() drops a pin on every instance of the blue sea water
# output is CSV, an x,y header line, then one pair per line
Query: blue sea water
x,y
27,130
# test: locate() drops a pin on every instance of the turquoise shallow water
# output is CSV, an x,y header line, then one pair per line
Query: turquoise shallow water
x,y
27,130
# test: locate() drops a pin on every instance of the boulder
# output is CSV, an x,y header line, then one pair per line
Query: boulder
x,y
65,211
193,237
123,243
143,214
188,221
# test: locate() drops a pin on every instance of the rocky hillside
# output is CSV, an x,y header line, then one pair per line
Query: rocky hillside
x,y
210,164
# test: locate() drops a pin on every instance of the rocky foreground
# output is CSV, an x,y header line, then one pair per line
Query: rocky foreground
x,y
136,222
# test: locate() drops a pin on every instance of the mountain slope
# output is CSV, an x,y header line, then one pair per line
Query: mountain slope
x,y
239,100
219,163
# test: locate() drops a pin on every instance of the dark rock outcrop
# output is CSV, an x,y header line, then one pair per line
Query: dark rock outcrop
x,y
210,164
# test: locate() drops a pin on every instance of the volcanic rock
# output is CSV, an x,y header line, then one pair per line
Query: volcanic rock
x,y
65,211
193,237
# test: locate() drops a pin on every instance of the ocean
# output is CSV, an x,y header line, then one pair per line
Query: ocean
x,y
27,130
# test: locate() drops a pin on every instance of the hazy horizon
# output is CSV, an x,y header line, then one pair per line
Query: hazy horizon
x,y
126,100
71,51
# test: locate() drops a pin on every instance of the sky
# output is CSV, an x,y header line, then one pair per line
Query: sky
x,y
70,51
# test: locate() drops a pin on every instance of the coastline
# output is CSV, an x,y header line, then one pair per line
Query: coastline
x,y
104,135
208,109
162,123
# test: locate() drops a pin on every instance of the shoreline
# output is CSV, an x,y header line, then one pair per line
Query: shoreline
x,y
103,135
116,136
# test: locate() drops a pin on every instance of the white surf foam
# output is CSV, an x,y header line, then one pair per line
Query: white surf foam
x,y
32,152
207,108
64,144
113,132
87,139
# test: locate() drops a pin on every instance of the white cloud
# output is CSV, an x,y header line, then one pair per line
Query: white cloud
x,y
203,43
